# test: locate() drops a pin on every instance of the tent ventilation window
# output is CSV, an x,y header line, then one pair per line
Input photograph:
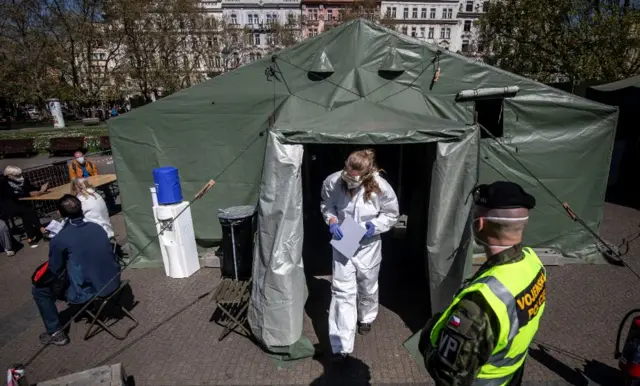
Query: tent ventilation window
x,y
489,113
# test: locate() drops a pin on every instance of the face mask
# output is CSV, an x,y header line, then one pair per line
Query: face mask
x,y
19,179
80,159
353,185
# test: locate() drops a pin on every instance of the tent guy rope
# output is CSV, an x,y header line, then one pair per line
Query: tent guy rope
x,y
609,253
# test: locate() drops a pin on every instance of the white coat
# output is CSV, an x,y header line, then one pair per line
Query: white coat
x,y
354,286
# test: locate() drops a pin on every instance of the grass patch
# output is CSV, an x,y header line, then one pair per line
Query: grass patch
x,y
41,138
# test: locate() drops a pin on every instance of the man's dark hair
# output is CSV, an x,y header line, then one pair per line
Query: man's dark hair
x,y
70,207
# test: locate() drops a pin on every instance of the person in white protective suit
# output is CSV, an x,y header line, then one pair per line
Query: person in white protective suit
x,y
360,192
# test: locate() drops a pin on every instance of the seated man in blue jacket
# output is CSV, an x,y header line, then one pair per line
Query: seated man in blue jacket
x,y
84,250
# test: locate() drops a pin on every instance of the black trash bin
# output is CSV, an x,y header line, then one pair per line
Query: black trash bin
x,y
238,227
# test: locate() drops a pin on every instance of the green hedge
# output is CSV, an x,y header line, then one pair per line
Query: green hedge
x,y
41,138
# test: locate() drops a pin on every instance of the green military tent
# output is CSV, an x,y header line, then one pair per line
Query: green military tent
x,y
359,84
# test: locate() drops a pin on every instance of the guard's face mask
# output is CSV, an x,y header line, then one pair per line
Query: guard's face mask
x,y
479,233
18,179
353,182
80,159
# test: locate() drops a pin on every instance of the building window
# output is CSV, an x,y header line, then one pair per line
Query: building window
x,y
444,13
469,7
404,30
388,13
467,26
447,34
414,13
450,13
250,19
485,6
270,40
413,32
314,14
431,33
423,13
422,32
432,13
234,19
209,42
252,57
256,39
393,12
329,14
442,32
465,46
489,112
405,13
313,31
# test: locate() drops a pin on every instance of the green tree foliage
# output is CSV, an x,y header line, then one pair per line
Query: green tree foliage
x,y
563,40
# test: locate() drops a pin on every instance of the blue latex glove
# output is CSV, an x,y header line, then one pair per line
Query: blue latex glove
x,y
370,229
336,232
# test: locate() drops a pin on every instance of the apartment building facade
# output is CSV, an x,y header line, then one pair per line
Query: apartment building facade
x,y
320,15
260,17
452,24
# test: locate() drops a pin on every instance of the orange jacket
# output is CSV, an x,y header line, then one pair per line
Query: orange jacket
x,y
75,170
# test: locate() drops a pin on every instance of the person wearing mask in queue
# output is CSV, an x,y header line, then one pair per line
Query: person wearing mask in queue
x,y
94,208
80,167
357,191
81,255
483,337
13,187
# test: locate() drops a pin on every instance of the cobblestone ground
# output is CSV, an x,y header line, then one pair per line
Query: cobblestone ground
x,y
177,344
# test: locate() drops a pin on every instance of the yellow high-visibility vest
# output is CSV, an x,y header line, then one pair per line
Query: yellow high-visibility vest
x,y
516,293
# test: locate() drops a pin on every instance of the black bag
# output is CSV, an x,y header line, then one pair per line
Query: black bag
x,y
42,277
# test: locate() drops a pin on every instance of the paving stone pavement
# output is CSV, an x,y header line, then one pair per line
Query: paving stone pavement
x,y
177,344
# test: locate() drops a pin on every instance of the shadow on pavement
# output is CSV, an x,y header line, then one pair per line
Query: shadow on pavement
x,y
593,372
317,307
352,372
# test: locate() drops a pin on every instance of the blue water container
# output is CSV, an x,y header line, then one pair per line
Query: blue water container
x,y
167,183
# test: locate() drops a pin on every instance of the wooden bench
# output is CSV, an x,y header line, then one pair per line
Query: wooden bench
x,y
109,375
23,146
105,143
232,299
66,145
90,121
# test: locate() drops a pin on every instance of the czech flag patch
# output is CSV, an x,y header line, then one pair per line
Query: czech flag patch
x,y
454,321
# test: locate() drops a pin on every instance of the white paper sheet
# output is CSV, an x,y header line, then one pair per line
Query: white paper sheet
x,y
352,234
54,227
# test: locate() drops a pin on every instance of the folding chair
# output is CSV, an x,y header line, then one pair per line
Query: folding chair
x,y
104,309
232,299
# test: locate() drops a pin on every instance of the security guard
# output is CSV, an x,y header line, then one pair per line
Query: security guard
x,y
482,338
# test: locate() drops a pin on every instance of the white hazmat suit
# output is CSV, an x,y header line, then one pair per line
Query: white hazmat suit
x,y
354,288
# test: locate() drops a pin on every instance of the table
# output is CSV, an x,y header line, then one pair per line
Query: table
x,y
59,191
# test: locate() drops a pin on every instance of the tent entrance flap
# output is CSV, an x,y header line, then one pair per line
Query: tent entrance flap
x,y
407,168
280,290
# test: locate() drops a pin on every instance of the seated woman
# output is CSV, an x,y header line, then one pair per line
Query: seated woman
x,y
13,187
94,208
